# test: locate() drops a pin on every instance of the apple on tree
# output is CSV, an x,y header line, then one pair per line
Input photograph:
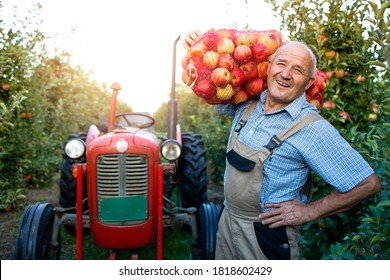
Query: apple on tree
x,y
329,104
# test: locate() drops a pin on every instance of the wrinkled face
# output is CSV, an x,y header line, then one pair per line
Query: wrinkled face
x,y
289,74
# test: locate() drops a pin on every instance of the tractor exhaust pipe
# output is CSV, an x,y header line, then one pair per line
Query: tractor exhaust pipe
x,y
172,104
116,87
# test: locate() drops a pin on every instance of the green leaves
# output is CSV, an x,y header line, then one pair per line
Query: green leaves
x,y
361,51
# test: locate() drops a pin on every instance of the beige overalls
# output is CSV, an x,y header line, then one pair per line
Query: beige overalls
x,y
241,235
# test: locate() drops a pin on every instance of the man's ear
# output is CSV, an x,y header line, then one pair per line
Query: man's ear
x,y
269,66
311,81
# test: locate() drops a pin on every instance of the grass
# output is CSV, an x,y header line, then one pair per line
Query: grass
x,y
176,246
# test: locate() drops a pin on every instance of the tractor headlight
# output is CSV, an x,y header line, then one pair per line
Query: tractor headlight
x,y
171,149
75,148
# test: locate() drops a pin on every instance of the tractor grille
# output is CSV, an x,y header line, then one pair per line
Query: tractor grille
x,y
121,175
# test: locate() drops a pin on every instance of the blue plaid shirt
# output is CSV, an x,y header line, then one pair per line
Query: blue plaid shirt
x,y
318,147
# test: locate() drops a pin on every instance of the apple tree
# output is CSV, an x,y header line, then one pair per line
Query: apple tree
x,y
43,98
350,41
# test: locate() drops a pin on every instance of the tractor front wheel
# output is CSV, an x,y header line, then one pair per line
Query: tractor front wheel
x,y
33,240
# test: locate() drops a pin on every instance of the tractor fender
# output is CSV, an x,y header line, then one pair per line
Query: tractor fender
x,y
93,133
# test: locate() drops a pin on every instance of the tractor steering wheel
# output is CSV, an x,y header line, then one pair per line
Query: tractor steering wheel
x,y
139,120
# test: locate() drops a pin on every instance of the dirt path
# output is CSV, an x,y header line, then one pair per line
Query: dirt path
x,y
9,221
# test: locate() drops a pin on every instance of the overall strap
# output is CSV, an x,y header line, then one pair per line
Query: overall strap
x,y
246,115
276,141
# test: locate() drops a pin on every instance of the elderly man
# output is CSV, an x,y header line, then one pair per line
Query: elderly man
x,y
275,142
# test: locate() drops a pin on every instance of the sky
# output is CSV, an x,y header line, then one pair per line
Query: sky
x,y
131,42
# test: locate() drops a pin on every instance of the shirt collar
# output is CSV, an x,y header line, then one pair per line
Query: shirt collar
x,y
293,109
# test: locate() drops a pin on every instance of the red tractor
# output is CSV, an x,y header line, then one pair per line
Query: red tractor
x,y
118,180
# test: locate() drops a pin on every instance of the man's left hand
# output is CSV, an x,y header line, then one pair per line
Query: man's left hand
x,y
289,213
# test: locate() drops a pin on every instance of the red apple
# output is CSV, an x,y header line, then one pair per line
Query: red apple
x,y
319,97
244,38
260,52
262,69
220,76
210,59
211,40
225,92
225,45
308,98
375,108
57,74
372,117
239,97
242,54
328,104
254,87
360,78
270,40
201,69
5,86
321,74
330,54
320,84
226,60
344,115
312,91
237,77
329,74
189,75
204,88
185,61
198,49
277,34
227,33
250,71
340,73
213,100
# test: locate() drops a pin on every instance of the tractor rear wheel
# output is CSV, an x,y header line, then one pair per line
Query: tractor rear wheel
x,y
207,222
33,240
193,170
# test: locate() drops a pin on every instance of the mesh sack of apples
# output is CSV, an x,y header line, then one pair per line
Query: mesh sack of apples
x,y
230,66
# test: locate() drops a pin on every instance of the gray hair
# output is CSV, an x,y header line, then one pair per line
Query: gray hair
x,y
303,44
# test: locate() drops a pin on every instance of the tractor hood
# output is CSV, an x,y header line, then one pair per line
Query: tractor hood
x,y
129,140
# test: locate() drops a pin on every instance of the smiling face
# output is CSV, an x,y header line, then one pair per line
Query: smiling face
x,y
289,74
